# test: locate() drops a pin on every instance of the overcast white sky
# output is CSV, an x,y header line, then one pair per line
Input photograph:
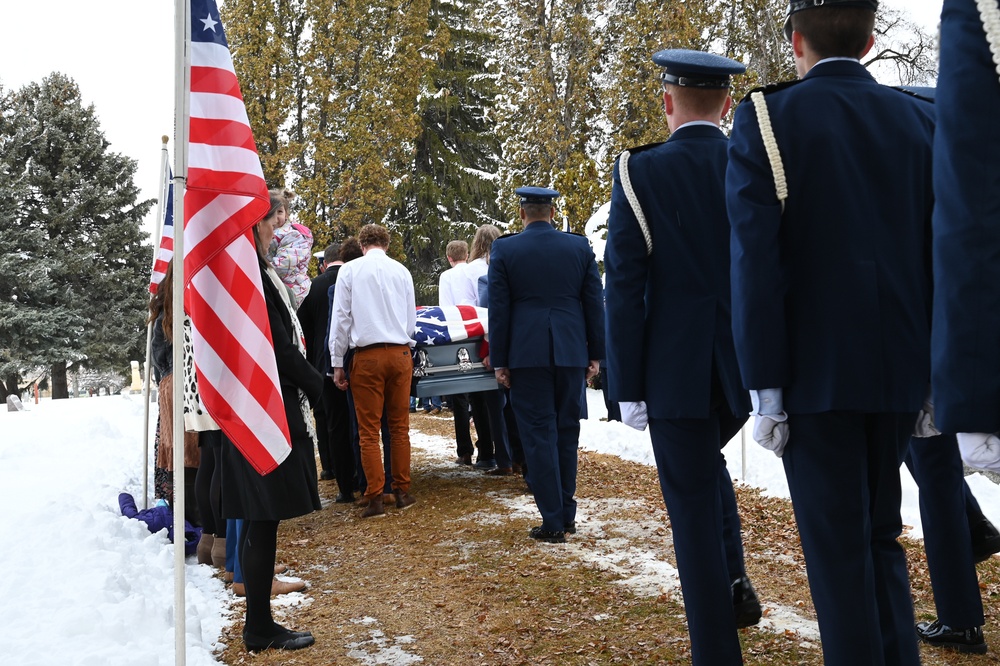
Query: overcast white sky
x,y
130,80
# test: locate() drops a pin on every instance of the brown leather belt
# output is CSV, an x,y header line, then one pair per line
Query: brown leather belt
x,y
380,345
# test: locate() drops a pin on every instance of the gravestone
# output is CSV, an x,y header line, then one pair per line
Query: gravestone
x,y
14,404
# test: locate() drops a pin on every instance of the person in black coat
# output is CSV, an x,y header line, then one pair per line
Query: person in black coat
x,y
288,491
333,427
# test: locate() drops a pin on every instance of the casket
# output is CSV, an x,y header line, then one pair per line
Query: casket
x,y
451,368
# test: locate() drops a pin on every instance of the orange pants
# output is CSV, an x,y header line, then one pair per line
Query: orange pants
x,y
380,378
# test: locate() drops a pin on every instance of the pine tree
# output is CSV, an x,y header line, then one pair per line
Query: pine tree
x,y
363,73
261,36
549,54
76,225
450,188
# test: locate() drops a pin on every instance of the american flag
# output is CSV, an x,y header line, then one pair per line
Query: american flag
x,y
441,325
165,252
226,195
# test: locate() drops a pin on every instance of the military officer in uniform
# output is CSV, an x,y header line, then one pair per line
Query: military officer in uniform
x,y
829,197
670,342
546,339
965,349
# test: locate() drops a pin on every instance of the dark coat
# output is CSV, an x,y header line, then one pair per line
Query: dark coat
x,y
832,298
966,337
314,315
290,490
545,296
669,313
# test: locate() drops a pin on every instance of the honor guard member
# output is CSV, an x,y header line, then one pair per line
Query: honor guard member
x,y
546,339
670,340
956,533
829,197
965,349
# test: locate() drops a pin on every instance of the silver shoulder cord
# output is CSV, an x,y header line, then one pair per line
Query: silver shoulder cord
x,y
989,12
633,201
771,146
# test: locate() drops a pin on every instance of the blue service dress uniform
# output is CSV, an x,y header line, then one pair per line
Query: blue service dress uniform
x,y
831,303
546,324
966,332
670,345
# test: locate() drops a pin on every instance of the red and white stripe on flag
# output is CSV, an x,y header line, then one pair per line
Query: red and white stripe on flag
x,y
470,322
226,196
165,251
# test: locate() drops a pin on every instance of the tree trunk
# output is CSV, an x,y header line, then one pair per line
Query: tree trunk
x,y
57,382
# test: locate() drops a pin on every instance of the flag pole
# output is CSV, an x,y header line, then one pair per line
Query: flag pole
x,y
182,113
149,327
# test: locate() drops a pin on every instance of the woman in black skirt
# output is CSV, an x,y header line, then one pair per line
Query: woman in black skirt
x,y
290,490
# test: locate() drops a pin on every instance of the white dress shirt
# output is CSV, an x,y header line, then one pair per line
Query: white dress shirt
x,y
476,269
451,286
373,303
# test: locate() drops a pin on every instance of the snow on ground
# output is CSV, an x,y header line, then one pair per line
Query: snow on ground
x,y
86,586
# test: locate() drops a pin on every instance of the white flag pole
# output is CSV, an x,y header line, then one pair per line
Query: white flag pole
x,y
164,188
182,113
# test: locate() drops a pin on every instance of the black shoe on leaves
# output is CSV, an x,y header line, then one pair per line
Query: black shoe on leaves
x,y
746,606
941,635
550,536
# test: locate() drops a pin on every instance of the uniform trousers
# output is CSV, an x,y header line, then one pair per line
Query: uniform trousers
x,y
546,403
843,477
700,500
380,380
463,435
936,466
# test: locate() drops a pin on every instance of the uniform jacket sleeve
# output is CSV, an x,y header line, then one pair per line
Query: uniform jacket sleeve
x,y
592,297
759,284
499,291
626,268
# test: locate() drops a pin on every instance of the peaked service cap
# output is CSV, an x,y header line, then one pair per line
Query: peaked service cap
x,y
696,69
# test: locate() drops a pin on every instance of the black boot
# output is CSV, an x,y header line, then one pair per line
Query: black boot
x,y
746,606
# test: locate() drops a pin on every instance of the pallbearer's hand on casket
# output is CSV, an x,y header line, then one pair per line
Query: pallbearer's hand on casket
x,y
980,450
634,414
503,376
593,368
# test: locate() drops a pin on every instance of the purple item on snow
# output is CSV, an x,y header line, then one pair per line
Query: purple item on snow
x,y
158,518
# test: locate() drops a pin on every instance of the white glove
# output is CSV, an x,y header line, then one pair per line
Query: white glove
x,y
980,450
771,432
925,421
634,414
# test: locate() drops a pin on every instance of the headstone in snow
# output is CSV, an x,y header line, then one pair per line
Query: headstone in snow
x,y
14,404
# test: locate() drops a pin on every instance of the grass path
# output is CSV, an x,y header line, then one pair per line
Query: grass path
x,y
456,580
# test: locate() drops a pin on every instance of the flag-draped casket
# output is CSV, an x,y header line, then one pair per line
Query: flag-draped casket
x,y
448,358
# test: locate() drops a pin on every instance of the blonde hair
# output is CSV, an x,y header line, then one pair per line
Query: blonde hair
x,y
481,244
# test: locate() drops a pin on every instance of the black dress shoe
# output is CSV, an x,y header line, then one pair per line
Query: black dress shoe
x,y
326,475
570,528
285,640
486,463
344,498
746,606
550,536
941,635
464,460
985,540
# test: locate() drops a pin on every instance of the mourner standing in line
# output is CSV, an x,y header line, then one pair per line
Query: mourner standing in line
x,y
670,339
371,334
333,421
452,291
965,353
546,339
829,197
